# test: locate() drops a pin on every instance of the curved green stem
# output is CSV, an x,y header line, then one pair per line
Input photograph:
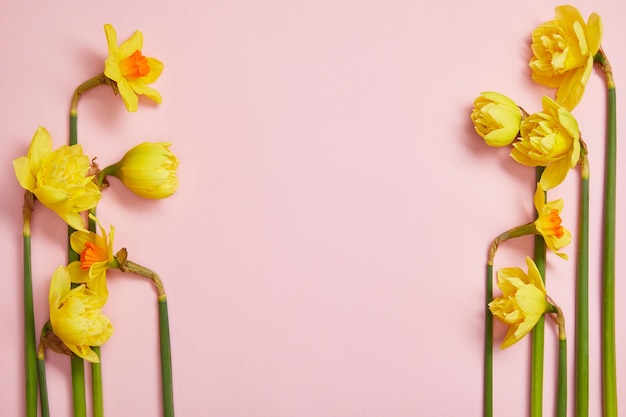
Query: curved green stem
x,y
581,352
537,343
488,354
30,350
561,396
164,330
609,377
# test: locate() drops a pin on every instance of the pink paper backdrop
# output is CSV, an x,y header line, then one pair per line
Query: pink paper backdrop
x,y
325,253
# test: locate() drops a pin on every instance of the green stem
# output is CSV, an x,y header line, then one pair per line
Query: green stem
x,y
30,350
581,352
164,329
609,377
96,368
166,359
561,396
488,359
537,343
41,371
78,386
96,385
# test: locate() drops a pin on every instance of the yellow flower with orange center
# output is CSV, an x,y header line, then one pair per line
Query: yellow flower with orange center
x,y
130,69
548,223
76,316
96,256
563,51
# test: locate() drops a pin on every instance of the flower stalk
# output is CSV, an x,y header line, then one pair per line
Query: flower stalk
x,y
164,331
30,351
41,371
538,334
581,337
609,377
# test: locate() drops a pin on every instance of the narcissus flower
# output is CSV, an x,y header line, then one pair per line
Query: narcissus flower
x,y
522,303
548,223
496,118
96,256
148,170
563,51
551,139
130,69
59,179
76,316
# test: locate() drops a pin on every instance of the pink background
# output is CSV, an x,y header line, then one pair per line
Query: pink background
x,y
324,254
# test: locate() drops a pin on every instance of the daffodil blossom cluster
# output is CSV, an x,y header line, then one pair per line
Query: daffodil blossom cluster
x,y
563,52
68,182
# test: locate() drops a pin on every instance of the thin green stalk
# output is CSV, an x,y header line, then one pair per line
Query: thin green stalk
x,y
561,388
166,358
96,385
41,371
537,335
609,377
77,363
96,368
164,329
30,350
581,337
488,359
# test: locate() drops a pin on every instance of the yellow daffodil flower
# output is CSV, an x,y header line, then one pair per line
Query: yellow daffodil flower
x,y
148,170
130,69
96,256
522,303
59,179
548,223
496,118
551,139
76,316
563,51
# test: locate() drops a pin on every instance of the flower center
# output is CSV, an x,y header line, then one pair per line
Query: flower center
x,y
135,66
91,254
552,224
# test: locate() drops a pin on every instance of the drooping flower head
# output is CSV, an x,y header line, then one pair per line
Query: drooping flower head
x,y
550,139
76,316
130,69
563,51
96,256
59,179
522,303
496,118
548,223
148,170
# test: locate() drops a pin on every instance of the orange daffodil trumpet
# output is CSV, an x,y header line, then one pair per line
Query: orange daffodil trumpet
x,y
522,303
148,170
496,118
548,223
96,256
58,178
550,139
76,316
563,51
130,69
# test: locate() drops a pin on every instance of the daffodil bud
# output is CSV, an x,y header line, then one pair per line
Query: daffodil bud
x,y
148,170
496,118
563,51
